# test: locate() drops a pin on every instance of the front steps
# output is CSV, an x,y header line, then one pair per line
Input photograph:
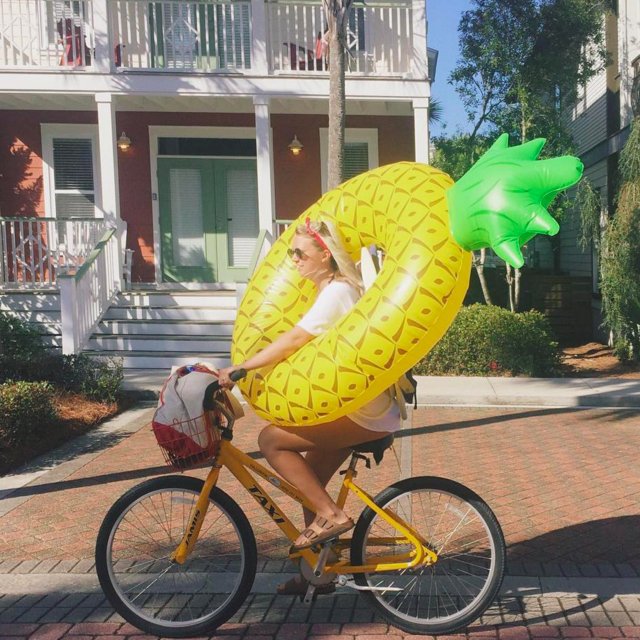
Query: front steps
x,y
157,330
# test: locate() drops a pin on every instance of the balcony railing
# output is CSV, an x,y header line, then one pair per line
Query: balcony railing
x,y
208,35
379,37
46,33
202,36
36,250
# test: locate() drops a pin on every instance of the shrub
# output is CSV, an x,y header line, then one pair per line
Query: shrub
x,y
21,349
26,408
488,340
99,379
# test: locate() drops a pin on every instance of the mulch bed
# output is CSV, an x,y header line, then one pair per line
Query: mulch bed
x,y
595,360
76,414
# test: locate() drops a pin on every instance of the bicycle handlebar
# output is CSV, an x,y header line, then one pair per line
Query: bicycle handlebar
x,y
214,387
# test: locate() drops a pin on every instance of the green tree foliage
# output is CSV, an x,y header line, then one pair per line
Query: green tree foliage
x,y
620,256
522,61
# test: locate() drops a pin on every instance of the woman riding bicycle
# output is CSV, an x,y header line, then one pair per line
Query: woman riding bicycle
x,y
319,256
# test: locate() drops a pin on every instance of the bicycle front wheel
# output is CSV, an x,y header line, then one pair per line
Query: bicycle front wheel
x,y
460,528
164,598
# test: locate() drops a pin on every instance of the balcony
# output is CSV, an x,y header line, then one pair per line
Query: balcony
x,y
250,37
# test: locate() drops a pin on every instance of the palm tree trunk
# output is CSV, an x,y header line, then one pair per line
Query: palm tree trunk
x,y
336,22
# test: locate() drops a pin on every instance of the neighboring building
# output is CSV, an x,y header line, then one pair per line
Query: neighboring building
x,y
600,126
171,126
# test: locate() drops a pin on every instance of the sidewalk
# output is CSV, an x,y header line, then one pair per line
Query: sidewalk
x,y
563,482
477,391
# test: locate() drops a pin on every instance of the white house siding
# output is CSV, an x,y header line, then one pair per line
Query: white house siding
x,y
589,125
629,50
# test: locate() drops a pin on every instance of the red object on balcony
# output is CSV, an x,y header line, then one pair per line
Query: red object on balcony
x,y
76,51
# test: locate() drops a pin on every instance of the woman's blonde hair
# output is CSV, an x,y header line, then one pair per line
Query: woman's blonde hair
x,y
344,267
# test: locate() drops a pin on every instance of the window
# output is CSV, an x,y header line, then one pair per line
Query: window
x,y
360,152
69,156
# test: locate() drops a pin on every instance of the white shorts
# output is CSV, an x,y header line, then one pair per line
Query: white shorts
x,y
381,414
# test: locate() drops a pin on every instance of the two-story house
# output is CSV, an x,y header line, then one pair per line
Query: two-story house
x,y
183,131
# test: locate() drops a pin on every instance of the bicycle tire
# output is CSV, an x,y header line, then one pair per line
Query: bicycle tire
x,y
161,597
450,594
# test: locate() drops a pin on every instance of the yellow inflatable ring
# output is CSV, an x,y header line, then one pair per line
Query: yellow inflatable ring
x,y
402,209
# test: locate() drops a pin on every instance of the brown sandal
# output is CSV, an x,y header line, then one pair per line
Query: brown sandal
x,y
321,530
297,586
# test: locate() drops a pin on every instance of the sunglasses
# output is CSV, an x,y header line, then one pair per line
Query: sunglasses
x,y
298,253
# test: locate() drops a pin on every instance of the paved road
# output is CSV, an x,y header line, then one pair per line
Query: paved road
x,y
564,483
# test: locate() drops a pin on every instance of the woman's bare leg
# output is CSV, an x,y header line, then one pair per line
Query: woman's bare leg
x,y
282,447
324,464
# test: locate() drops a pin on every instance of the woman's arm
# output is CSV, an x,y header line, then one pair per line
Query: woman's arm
x,y
285,345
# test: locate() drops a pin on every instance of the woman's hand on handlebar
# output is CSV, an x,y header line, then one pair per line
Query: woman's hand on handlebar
x,y
227,380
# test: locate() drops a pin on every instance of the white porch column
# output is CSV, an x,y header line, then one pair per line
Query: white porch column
x,y
419,60
109,183
259,61
265,164
107,136
421,129
102,58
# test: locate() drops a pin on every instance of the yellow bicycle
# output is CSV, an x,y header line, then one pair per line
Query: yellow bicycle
x,y
176,556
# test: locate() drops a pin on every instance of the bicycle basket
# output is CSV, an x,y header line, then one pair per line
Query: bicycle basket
x,y
188,443
187,435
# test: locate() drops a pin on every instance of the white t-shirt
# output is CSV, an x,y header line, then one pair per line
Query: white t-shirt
x,y
333,302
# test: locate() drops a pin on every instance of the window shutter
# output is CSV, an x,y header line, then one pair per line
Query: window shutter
x,y
242,211
73,178
187,225
356,159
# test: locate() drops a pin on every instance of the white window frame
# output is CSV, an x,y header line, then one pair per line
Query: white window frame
x,y
370,136
84,131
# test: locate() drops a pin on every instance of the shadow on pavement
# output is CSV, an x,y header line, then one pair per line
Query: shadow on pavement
x,y
609,540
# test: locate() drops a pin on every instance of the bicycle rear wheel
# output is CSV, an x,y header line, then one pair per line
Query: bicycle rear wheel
x,y
162,597
455,523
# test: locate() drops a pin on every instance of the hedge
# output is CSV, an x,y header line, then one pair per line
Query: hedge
x,y
489,340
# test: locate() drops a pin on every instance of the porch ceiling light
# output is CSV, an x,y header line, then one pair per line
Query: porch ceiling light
x,y
295,146
123,142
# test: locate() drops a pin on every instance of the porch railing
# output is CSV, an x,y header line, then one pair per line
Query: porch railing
x,y
46,33
35,251
86,294
207,35
379,37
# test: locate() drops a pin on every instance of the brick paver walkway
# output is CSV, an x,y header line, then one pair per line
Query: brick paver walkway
x,y
564,484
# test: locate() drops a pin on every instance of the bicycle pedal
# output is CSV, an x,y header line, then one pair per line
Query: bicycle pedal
x,y
310,596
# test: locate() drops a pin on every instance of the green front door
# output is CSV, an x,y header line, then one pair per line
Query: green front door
x,y
208,218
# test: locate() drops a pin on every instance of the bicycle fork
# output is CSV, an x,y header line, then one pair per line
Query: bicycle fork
x,y
196,518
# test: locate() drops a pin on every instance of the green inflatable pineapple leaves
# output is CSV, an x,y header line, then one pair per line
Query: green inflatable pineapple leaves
x,y
501,202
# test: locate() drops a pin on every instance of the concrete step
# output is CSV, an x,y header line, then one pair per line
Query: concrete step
x,y
178,343
171,313
162,360
165,327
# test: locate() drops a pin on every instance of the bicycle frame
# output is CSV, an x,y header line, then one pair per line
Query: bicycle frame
x,y
239,464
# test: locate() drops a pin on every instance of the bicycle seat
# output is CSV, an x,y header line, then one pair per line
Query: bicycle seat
x,y
376,447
